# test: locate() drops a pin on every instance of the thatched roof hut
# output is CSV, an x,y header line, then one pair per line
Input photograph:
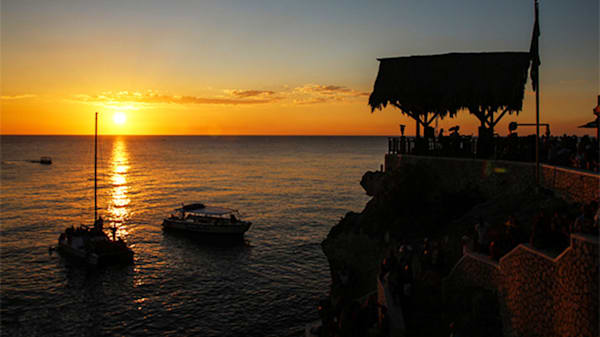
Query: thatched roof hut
x,y
443,84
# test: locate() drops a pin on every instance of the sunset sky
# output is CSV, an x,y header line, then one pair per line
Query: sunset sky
x,y
269,67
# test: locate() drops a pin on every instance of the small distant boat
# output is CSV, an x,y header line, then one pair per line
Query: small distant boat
x,y
92,245
43,160
210,220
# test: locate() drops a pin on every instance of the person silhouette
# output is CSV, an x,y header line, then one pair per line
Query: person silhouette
x,y
99,223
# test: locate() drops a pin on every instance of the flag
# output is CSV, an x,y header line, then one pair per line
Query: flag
x,y
534,51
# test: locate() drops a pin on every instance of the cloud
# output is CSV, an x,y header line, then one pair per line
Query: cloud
x,y
8,98
326,89
316,93
152,97
316,100
252,93
306,94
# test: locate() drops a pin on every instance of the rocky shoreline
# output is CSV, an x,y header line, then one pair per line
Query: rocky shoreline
x,y
407,206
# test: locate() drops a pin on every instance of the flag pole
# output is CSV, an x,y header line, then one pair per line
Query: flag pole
x,y
537,133
535,72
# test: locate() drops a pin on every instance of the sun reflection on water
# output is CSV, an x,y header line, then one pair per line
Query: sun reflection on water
x,y
118,210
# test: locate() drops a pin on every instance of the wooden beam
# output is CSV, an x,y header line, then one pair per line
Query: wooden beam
x,y
479,114
432,118
499,117
410,114
424,121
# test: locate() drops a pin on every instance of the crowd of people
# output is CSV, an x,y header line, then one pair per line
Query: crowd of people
x,y
495,241
419,264
401,268
568,151
409,266
343,315
548,231
357,317
571,151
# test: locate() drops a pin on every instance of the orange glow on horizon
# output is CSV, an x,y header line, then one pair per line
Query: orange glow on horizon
x,y
186,69
304,110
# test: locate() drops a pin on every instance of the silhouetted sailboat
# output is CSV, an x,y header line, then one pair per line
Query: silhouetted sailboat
x,y
92,245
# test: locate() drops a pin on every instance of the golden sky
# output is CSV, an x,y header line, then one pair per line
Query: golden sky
x,y
270,67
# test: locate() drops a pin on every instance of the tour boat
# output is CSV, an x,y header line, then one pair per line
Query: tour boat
x,y
209,220
92,245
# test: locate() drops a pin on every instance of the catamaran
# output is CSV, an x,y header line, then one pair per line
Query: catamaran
x,y
92,245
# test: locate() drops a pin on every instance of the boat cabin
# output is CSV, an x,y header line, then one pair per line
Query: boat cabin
x,y
200,213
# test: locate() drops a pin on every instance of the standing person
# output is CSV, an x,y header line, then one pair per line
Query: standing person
x,y
594,209
482,235
406,299
513,233
585,222
99,224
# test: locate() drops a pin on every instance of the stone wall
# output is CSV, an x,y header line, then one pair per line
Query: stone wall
x,y
477,270
539,294
572,184
493,176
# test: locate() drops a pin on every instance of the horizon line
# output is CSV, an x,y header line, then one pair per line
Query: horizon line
x,y
209,135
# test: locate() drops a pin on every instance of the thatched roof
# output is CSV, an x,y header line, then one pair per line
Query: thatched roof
x,y
447,83
590,125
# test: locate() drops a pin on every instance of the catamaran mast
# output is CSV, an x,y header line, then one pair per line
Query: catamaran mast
x,y
96,169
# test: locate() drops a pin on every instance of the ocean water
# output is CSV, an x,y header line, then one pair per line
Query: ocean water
x,y
293,189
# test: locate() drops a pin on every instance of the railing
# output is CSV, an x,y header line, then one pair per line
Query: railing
x,y
462,146
510,148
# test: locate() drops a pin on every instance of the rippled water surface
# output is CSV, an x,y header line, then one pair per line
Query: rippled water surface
x,y
293,189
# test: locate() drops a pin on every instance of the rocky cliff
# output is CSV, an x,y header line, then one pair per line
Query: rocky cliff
x,y
407,205
423,200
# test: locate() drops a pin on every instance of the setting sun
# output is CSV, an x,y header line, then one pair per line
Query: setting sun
x,y
119,118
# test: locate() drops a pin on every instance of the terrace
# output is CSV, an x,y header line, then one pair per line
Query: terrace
x,y
487,85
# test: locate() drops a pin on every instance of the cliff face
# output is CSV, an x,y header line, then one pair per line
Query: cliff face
x,y
440,200
407,204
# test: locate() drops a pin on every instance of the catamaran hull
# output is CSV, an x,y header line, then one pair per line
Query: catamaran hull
x,y
226,230
93,259
77,254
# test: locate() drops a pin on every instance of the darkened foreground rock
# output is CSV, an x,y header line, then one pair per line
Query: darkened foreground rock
x,y
372,182
421,200
406,207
